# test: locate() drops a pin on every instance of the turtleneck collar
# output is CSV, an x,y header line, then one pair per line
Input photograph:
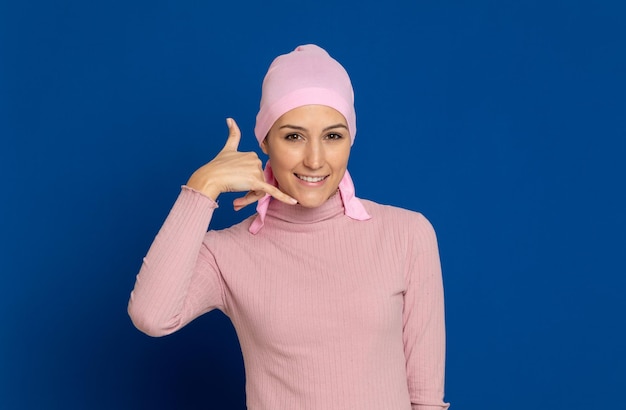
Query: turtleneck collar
x,y
298,214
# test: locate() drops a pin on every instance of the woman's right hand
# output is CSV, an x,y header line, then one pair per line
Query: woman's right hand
x,y
234,171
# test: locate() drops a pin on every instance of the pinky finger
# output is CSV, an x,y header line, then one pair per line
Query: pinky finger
x,y
280,195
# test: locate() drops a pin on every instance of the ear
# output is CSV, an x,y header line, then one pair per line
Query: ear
x,y
264,146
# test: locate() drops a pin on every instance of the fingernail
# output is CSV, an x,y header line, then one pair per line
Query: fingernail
x,y
229,121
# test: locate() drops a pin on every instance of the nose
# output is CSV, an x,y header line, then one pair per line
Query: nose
x,y
314,154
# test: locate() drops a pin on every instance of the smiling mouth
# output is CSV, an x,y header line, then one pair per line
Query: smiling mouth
x,y
311,179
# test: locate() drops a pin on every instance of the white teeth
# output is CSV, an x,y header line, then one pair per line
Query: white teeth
x,y
310,179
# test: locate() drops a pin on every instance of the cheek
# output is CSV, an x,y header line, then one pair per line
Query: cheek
x,y
340,158
281,162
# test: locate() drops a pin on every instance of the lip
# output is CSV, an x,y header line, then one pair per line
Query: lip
x,y
311,180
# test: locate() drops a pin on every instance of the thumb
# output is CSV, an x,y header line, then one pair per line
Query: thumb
x,y
234,136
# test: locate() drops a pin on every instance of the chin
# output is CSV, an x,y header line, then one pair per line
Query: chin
x,y
313,201
310,203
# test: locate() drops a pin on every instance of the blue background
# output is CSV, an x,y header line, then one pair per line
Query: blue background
x,y
504,122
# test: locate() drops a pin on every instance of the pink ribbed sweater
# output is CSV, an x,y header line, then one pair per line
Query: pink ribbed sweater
x,y
331,313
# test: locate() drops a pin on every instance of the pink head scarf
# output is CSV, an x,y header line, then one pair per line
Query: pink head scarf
x,y
307,75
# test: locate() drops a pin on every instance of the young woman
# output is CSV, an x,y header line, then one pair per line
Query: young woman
x,y
337,301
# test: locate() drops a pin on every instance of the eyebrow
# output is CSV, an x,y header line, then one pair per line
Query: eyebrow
x,y
299,128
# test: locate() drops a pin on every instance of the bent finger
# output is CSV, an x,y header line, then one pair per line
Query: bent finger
x,y
250,197
260,192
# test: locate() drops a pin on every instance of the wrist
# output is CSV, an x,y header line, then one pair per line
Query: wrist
x,y
206,188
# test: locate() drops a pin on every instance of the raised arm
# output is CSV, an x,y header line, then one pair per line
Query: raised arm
x,y
179,279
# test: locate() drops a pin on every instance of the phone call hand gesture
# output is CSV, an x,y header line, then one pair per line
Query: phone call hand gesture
x,y
235,171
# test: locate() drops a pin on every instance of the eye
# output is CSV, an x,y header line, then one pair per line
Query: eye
x,y
334,136
293,137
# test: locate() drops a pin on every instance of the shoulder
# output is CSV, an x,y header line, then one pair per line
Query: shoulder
x,y
401,222
237,233
402,225
393,214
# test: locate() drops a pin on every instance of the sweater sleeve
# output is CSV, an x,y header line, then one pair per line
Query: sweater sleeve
x,y
178,280
424,327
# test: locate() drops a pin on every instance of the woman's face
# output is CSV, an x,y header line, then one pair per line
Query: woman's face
x,y
309,148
